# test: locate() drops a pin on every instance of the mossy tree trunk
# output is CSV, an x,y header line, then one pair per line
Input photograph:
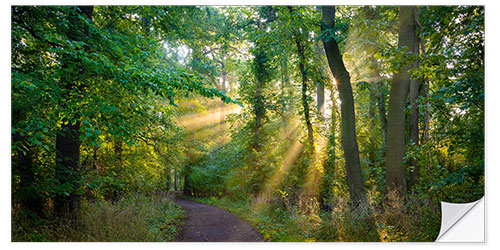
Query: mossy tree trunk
x,y
395,170
348,121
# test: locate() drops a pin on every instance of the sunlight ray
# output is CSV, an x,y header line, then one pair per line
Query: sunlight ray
x,y
211,133
277,177
310,191
203,119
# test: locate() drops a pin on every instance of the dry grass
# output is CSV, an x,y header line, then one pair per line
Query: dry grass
x,y
133,219
398,220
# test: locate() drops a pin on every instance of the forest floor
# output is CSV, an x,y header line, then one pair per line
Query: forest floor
x,y
204,223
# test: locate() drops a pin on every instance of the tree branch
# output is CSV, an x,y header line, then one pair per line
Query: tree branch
x,y
34,34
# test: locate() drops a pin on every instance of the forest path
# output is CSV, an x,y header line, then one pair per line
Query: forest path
x,y
208,223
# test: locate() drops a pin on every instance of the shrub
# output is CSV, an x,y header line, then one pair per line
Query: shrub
x,y
134,218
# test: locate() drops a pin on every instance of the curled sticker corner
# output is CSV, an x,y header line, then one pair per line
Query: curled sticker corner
x,y
462,222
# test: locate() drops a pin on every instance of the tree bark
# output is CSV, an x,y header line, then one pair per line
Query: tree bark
x,y
349,141
395,171
414,130
381,111
415,92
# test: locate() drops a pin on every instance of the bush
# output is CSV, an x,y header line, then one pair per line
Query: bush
x,y
134,218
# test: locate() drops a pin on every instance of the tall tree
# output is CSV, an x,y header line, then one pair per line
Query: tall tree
x,y
348,121
329,166
261,70
395,171
321,78
299,37
376,95
68,137
22,161
259,109
381,109
415,92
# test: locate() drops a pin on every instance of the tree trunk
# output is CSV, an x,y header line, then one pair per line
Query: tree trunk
x,y
371,108
376,87
373,65
259,59
373,98
371,115
414,130
322,78
427,114
395,171
302,68
168,178
305,103
259,107
329,167
320,97
67,201
22,163
95,159
68,168
187,188
381,111
320,84
175,179
415,92
286,92
349,141
118,148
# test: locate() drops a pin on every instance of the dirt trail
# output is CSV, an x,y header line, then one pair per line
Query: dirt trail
x,y
208,223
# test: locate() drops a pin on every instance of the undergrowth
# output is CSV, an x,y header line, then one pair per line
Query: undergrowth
x,y
131,219
413,221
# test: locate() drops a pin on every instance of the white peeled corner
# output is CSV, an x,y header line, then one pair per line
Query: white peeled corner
x,y
462,222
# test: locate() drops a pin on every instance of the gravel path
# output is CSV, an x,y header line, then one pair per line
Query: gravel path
x,y
208,223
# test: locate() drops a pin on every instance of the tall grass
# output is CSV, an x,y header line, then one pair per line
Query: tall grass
x,y
131,219
412,220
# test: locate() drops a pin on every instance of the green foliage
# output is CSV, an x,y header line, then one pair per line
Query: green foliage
x,y
134,218
452,169
104,75
277,223
149,86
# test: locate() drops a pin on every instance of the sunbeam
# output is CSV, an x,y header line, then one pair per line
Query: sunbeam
x,y
310,191
277,177
196,121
